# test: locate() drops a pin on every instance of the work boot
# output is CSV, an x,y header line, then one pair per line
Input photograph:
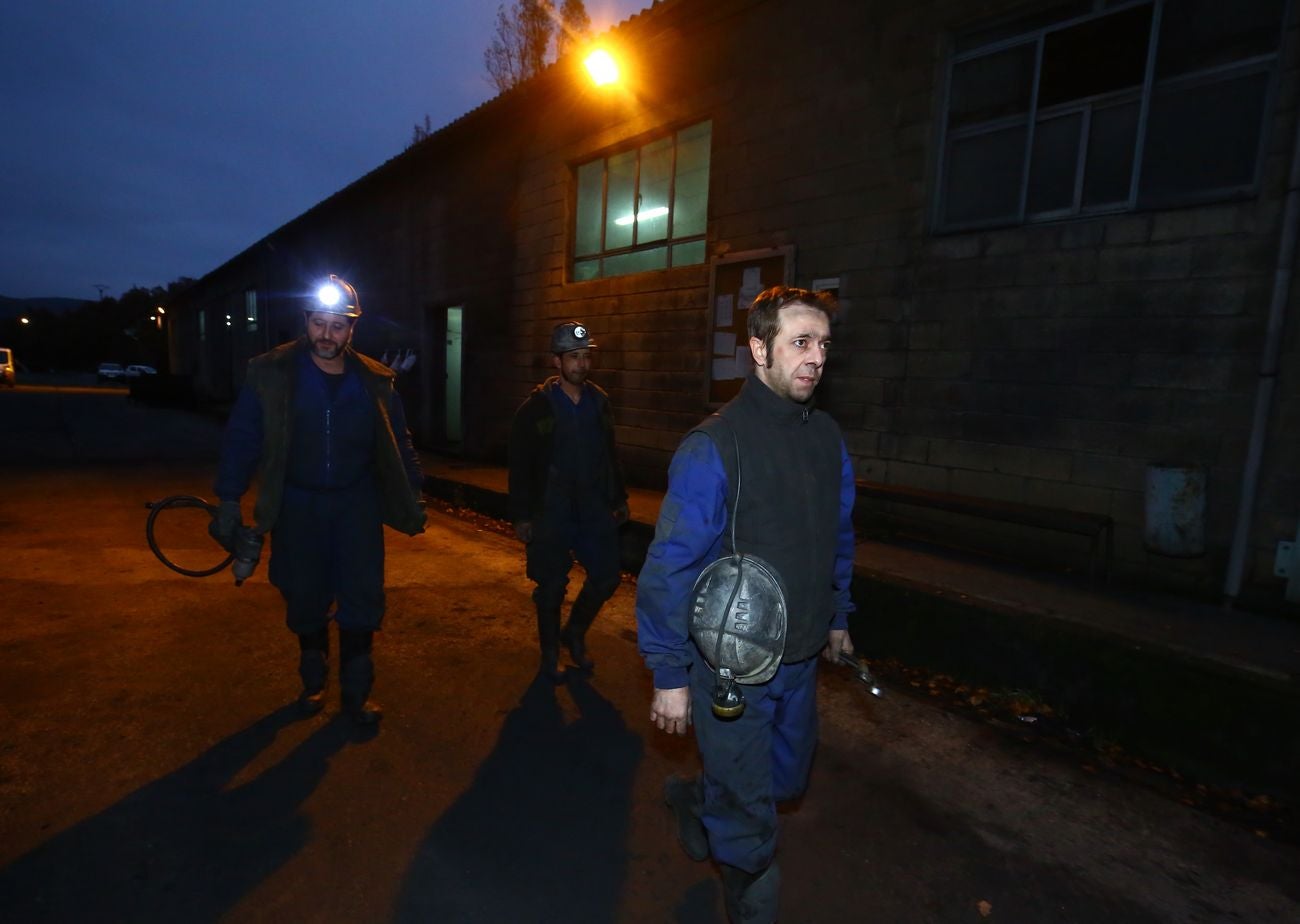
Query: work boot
x,y
751,898
685,797
577,645
550,666
356,677
585,608
313,668
548,637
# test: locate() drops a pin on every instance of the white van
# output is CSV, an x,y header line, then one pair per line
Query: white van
x,y
6,366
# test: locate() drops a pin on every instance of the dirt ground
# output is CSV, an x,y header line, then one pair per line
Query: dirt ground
x,y
152,767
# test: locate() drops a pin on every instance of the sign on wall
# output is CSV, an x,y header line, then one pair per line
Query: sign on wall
x,y
734,280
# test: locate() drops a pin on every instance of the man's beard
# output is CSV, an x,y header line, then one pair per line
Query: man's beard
x,y
326,349
576,378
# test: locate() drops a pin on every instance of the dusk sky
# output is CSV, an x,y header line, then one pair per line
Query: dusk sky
x,y
149,139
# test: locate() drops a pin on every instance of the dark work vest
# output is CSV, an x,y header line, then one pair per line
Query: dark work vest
x,y
790,469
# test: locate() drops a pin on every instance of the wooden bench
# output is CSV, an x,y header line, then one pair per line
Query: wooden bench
x,y
1098,527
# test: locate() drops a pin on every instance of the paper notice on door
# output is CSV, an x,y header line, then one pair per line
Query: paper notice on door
x,y
724,368
723,310
751,284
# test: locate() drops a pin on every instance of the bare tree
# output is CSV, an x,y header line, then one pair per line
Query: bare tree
x,y
523,36
420,132
575,27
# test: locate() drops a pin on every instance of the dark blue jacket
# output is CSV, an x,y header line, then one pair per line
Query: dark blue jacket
x,y
689,535
532,446
286,427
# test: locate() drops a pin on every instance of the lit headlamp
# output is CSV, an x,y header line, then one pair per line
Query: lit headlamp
x,y
338,297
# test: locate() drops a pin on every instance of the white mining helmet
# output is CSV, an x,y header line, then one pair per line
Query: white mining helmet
x,y
338,297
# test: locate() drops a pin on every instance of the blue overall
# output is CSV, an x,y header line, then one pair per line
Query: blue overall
x,y
327,544
575,520
765,755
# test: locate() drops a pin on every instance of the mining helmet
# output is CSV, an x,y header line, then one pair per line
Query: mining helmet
x,y
738,621
570,336
338,297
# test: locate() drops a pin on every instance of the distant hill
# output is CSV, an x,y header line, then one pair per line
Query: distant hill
x,y
12,307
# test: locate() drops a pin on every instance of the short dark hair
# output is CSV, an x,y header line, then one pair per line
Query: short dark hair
x,y
764,314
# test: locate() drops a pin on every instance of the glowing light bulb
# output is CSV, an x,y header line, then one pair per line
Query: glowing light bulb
x,y
602,67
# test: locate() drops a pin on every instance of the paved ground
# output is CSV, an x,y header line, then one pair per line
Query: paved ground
x,y
150,769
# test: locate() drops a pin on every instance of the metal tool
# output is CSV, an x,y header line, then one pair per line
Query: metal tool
x,y
864,673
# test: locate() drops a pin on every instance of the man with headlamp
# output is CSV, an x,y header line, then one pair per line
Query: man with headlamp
x,y
324,430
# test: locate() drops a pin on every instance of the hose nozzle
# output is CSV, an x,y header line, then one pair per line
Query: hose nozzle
x,y
247,551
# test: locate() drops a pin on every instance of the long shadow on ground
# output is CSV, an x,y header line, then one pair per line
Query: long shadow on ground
x,y
540,835
183,848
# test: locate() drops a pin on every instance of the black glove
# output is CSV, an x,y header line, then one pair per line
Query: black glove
x,y
226,523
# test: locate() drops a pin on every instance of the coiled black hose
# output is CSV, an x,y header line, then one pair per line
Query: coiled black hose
x,y
181,500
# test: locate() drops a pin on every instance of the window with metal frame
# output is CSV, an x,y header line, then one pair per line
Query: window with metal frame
x,y
645,208
1104,106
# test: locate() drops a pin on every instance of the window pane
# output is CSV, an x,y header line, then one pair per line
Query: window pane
x,y
1099,56
691,190
1202,137
619,215
623,202
1111,140
984,174
652,205
992,86
637,262
688,254
1052,166
1029,23
1196,34
586,236
586,269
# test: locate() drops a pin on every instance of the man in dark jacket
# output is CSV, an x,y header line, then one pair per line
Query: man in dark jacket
x,y
779,467
566,495
324,429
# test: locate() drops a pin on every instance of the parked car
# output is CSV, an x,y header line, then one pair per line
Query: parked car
x,y
135,371
6,367
111,372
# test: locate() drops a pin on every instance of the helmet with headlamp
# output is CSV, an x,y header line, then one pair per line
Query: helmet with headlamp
x,y
336,296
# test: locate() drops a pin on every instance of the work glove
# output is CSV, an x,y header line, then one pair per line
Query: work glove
x,y
225,523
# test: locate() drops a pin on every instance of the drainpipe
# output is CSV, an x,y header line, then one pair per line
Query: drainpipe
x,y
1267,376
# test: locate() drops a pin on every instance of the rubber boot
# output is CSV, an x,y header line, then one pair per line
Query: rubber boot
x,y
583,614
357,676
313,668
548,637
685,797
751,898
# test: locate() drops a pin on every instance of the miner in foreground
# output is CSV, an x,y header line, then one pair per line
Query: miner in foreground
x,y
747,580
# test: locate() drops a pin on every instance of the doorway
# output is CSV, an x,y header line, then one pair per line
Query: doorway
x,y
452,385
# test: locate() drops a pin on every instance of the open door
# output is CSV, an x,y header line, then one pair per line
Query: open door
x,y
452,431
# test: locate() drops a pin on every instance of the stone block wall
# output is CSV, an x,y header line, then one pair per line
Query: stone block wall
x,y
1047,363
1044,363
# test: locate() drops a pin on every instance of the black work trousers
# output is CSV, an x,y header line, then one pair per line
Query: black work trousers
x,y
327,550
581,528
